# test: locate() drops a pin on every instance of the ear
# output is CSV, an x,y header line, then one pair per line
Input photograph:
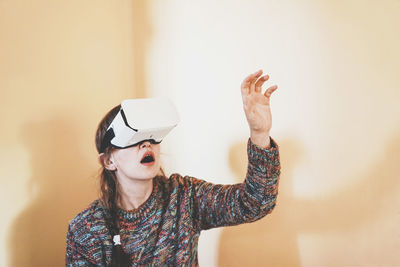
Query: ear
x,y
107,162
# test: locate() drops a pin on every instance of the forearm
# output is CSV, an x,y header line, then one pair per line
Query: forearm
x,y
260,139
263,175
222,205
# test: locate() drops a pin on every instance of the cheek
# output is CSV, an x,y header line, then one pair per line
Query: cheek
x,y
157,153
127,159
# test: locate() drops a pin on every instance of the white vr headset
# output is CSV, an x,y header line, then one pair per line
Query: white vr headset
x,y
139,120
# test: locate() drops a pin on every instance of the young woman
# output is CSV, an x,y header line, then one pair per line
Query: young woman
x,y
144,218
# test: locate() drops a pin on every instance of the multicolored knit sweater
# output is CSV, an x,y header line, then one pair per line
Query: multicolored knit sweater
x,y
165,229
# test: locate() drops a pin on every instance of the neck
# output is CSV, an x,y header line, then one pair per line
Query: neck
x,y
134,192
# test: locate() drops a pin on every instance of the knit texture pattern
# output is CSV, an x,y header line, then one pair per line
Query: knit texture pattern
x,y
165,229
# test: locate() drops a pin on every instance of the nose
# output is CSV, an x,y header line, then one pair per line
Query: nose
x,y
145,144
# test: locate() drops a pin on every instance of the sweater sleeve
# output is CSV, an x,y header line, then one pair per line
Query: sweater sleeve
x,y
223,205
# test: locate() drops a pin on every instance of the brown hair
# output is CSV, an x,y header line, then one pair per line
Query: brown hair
x,y
109,191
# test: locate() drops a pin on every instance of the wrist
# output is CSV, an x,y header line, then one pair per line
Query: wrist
x,y
260,139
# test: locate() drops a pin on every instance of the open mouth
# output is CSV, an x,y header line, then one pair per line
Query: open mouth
x,y
148,157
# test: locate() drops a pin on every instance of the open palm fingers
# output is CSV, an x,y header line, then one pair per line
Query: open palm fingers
x,y
260,82
248,84
270,90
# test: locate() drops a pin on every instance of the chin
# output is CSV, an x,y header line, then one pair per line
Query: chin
x,y
149,174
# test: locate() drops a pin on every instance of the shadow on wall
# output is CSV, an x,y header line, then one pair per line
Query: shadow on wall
x,y
272,241
60,189
59,183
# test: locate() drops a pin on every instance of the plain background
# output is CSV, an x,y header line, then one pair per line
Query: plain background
x,y
336,117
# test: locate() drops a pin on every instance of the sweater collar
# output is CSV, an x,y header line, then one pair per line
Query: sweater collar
x,y
133,215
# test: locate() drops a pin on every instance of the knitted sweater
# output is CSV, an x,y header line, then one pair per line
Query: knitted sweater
x,y
165,229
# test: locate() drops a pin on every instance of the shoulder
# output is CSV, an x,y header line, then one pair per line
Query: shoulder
x,y
174,184
88,221
178,184
176,180
87,215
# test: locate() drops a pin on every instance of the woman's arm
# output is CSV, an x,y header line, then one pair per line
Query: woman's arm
x,y
221,205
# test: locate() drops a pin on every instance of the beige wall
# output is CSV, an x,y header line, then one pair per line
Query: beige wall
x,y
63,64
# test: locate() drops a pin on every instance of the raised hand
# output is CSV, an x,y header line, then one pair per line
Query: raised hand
x,y
256,106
